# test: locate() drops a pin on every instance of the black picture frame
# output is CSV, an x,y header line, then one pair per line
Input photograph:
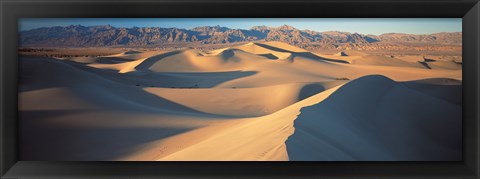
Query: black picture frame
x,y
469,10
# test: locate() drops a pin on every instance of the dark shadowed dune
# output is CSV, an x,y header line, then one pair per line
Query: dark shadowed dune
x,y
376,119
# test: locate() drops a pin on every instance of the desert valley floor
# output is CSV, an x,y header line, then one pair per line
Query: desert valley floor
x,y
256,101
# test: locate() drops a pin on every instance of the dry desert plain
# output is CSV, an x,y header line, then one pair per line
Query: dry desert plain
x,y
259,101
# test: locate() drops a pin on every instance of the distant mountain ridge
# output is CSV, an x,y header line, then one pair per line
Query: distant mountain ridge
x,y
106,35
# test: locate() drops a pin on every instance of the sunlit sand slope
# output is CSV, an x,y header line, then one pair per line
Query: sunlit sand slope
x,y
256,101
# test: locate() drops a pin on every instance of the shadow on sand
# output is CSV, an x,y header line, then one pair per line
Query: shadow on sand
x,y
308,55
42,140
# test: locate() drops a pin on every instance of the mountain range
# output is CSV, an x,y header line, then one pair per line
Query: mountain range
x,y
106,35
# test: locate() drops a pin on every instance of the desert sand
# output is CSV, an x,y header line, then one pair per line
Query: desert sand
x,y
259,101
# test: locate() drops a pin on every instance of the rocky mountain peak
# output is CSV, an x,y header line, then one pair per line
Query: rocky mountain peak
x,y
106,35
285,27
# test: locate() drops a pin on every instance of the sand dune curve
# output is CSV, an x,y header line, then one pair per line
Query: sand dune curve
x,y
345,126
253,102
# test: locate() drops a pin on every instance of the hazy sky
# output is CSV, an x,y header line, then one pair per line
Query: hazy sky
x,y
360,25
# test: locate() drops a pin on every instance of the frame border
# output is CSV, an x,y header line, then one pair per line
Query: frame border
x,y
11,10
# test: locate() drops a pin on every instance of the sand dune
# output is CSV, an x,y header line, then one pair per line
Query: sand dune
x,y
192,60
412,125
257,101
254,139
241,102
259,50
